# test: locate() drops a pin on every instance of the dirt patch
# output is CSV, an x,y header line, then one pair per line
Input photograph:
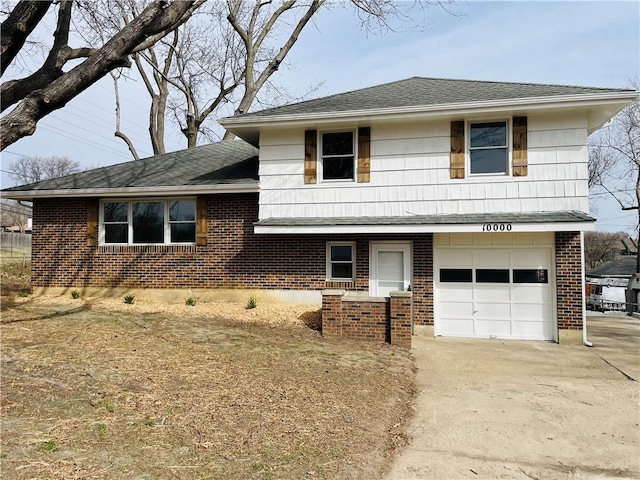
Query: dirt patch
x,y
95,388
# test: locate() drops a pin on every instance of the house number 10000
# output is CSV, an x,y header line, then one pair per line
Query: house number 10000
x,y
496,227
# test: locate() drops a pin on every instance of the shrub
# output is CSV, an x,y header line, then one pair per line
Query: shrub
x,y
129,298
191,302
252,302
75,294
23,294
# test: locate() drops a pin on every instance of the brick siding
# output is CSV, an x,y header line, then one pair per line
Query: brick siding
x,y
569,280
234,256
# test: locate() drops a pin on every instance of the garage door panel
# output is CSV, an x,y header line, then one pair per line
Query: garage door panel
x,y
533,330
533,258
492,310
456,309
491,258
536,294
485,293
455,292
456,258
500,328
457,327
530,311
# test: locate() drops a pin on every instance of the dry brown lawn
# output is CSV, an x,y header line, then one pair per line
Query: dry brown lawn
x,y
95,389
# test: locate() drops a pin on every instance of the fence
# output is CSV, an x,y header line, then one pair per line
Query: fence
x,y
15,244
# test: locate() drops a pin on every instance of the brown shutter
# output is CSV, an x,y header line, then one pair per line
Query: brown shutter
x,y
457,149
520,162
201,221
92,222
310,156
364,154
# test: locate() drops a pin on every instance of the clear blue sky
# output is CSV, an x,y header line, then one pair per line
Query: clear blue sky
x,y
567,42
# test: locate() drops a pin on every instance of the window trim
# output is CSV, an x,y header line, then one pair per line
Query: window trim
x,y
509,146
329,263
167,222
321,156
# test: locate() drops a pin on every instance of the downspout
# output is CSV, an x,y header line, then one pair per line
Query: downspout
x,y
586,342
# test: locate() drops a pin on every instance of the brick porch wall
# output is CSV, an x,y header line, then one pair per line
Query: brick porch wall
x,y
234,256
384,320
569,280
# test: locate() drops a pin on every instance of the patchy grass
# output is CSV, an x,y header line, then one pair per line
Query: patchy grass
x,y
90,392
15,273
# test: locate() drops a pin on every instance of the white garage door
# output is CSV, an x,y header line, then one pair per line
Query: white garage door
x,y
494,293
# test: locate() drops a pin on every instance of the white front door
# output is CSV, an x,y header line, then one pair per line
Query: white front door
x,y
390,268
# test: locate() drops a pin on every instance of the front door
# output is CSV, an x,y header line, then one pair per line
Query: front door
x,y
390,268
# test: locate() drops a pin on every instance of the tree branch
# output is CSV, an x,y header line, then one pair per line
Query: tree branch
x,y
17,27
22,121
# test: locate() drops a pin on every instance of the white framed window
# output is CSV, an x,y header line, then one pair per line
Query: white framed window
x,y
147,221
341,261
488,147
338,155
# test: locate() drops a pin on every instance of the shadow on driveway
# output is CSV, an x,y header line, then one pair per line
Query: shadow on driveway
x,y
512,409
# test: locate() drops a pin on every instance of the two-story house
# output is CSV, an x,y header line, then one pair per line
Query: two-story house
x,y
470,194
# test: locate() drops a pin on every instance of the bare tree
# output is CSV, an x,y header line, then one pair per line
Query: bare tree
x,y
35,169
600,247
225,56
50,88
618,146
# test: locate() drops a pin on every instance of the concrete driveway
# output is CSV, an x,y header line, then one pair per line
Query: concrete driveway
x,y
510,409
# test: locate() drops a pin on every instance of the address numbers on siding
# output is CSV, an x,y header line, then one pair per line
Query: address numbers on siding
x,y
496,227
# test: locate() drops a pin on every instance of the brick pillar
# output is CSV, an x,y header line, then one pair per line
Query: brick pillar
x,y
422,286
569,286
401,318
332,313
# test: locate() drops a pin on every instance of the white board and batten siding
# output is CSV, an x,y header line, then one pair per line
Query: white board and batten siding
x,y
410,174
512,310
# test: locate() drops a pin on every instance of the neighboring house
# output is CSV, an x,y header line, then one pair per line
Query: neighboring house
x,y
615,273
472,195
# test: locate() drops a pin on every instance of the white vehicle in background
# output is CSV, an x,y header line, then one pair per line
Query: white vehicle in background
x,y
605,297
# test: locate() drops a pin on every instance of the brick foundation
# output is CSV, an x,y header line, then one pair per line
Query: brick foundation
x,y
384,320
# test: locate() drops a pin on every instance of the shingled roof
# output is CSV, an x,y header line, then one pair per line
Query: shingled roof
x,y
623,267
224,163
421,91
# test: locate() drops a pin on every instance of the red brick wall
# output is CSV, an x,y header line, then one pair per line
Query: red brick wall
x,y
234,256
384,320
569,280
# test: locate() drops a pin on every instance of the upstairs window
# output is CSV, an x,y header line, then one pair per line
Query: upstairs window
x,y
488,148
148,222
338,156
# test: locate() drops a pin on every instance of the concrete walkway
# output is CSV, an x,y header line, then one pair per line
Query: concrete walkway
x,y
509,409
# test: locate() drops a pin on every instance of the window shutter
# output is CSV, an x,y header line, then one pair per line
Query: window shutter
x,y
364,154
92,223
310,156
201,221
457,149
520,162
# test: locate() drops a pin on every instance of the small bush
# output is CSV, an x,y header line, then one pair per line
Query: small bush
x,y
252,302
23,294
129,298
75,294
190,302
49,446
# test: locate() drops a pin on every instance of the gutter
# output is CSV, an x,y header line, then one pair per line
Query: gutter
x,y
585,342
132,191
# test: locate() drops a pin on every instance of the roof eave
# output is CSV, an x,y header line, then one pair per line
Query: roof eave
x,y
170,190
532,103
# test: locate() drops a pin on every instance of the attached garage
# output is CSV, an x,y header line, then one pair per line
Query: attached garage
x,y
494,285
